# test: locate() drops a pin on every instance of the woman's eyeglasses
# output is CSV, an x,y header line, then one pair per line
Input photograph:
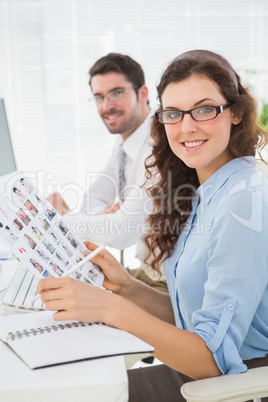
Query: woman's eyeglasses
x,y
203,113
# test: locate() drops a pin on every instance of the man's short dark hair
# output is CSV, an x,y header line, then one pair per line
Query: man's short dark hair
x,y
119,63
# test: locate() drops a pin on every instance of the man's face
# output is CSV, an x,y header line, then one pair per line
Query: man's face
x,y
124,115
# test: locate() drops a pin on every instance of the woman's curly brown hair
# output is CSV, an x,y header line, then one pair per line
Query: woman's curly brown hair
x,y
172,183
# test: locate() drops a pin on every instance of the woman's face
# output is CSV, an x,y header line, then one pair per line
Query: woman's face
x,y
200,145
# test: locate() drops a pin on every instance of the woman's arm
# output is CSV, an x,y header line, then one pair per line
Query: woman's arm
x,y
118,280
149,299
133,307
76,300
181,350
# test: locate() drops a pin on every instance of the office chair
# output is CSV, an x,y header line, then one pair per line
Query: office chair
x,y
252,385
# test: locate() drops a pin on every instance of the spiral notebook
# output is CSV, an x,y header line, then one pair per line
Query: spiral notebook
x,y
40,341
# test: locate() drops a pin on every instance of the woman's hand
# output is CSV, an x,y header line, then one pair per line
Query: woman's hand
x,y
116,278
76,300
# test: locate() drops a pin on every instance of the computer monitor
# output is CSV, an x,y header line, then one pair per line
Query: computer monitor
x,y
7,158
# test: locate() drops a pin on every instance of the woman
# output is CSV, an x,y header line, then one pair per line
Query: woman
x,y
208,226
30,241
22,197
37,233
56,268
37,265
27,185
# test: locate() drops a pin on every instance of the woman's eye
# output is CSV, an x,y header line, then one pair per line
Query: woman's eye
x,y
205,109
174,114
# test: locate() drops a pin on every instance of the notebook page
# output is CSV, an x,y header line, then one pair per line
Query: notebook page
x,y
68,344
20,322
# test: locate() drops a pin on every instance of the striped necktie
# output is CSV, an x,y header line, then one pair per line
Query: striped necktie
x,y
122,166
122,183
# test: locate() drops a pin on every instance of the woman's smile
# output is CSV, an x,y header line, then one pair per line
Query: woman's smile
x,y
202,145
195,145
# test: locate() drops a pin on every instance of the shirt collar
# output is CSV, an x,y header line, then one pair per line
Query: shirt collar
x,y
207,190
135,141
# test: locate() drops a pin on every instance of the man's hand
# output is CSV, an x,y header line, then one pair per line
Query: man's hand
x,y
112,208
58,203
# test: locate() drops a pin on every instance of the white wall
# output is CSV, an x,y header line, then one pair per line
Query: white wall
x,y
48,46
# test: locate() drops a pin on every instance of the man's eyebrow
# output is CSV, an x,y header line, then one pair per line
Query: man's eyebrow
x,y
111,90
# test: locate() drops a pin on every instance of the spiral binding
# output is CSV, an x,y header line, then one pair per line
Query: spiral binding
x,y
48,329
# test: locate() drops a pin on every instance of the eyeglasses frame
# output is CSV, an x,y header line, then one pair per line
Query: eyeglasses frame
x,y
93,100
219,109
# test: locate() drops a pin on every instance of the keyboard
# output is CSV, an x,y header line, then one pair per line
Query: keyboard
x,y
20,292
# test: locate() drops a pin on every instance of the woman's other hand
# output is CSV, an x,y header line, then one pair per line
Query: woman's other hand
x,y
116,278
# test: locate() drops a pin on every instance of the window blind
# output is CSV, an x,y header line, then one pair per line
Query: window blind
x,y
48,46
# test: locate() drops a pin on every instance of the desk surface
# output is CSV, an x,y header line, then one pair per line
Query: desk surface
x,y
94,380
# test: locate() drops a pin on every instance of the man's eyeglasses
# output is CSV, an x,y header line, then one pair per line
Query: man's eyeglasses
x,y
112,96
203,113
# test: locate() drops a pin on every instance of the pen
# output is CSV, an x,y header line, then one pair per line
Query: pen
x,y
82,262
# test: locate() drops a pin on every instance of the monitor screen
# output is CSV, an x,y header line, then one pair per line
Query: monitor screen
x,y
7,159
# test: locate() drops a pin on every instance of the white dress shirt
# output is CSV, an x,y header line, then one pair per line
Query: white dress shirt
x,y
126,226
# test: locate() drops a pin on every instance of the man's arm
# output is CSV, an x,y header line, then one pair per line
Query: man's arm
x,y
112,208
119,225
101,190
120,229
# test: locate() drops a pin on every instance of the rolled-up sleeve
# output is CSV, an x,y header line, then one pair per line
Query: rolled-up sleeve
x,y
218,339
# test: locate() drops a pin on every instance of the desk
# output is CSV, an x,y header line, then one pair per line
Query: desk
x,y
92,381
97,380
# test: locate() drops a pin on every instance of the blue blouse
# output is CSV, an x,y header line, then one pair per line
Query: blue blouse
x,y
217,274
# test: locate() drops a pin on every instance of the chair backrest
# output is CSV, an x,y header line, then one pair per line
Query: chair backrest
x,y
232,387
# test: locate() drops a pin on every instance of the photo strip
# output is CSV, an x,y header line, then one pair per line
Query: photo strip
x,y
37,235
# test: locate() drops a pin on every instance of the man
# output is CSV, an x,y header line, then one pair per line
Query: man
x,y
121,96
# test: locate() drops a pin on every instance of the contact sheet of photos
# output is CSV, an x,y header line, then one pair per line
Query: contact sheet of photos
x,y
36,234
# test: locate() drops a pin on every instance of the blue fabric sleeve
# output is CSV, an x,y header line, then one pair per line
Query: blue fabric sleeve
x,y
237,278
219,340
